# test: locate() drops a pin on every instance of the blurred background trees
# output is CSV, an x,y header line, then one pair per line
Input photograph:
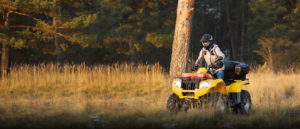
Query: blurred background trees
x,y
105,31
41,28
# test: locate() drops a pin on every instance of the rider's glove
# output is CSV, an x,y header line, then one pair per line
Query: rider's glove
x,y
210,66
218,64
219,58
196,66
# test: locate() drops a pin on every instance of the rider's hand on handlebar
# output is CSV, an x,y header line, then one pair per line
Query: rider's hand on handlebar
x,y
219,58
196,66
219,64
216,65
210,66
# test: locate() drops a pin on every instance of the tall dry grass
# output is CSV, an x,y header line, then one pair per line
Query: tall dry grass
x,y
132,96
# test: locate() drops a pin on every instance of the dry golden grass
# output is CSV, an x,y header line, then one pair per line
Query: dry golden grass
x,y
129,96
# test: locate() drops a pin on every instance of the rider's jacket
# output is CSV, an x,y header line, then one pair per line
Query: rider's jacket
x,y
210,57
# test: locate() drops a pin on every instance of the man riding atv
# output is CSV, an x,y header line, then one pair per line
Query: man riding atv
x,y
213,57
198,88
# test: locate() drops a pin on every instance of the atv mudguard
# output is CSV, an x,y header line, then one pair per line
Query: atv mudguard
x,y
236,87
218,85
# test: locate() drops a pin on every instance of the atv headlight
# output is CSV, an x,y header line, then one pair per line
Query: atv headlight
x,y
205,84
177,83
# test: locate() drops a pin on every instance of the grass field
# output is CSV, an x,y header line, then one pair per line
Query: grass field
x,y
129,96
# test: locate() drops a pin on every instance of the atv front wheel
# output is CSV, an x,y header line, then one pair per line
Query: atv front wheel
x,y
218,102
173,103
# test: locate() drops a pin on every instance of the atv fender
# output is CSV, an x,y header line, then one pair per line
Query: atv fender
x,y
236,87
218,85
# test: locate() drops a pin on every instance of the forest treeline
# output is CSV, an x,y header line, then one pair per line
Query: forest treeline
x,y
109,31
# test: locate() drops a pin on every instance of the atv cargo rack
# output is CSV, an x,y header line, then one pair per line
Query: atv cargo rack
x,y
235,70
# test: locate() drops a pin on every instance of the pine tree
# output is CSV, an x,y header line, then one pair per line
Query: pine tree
x,y
133,29
28,23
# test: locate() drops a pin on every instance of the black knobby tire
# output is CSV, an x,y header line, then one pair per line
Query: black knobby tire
x,y
173,103
218,102
245,105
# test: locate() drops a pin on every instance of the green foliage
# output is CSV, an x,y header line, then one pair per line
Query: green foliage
x,y
277,52
35,26
276,26
81,22
160,40
84,39
136,27
122,46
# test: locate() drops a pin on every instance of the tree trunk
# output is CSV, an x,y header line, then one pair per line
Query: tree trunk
x,y
182,37
133,55
57,39
215,30
5,59
5,49
236,37
223,37
243,31
230,30
204,18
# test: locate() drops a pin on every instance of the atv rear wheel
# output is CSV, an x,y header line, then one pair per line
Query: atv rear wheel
x,y
174,103
245,105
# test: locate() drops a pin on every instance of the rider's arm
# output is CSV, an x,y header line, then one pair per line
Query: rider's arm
x,y
200,57
220,53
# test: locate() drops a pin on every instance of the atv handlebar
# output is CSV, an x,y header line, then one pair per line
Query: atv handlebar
x,y
195,67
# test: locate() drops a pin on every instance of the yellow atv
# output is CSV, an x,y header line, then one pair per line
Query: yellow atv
x,y
200,89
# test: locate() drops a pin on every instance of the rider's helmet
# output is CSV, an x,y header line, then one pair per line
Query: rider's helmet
x,y
206,38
